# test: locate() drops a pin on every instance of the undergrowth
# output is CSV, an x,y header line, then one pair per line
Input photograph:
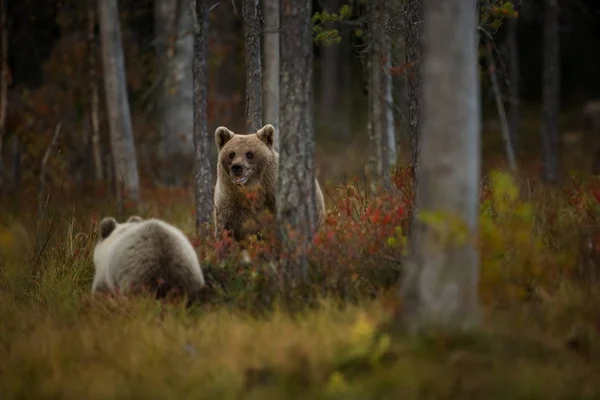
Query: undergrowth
x,y
539,338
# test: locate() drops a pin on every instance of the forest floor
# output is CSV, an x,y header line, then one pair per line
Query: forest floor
x,y
539,337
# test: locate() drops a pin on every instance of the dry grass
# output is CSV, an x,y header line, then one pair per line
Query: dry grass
x,y
540,336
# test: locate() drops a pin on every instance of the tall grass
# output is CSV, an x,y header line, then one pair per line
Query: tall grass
x,y
539,338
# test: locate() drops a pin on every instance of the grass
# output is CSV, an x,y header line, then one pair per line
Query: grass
x,y
539,337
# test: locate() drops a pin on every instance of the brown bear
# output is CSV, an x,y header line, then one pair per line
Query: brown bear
x,y
247,163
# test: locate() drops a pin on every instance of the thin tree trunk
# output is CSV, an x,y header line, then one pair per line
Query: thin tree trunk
x,y
174,46
550,93
382,116
506,136
389,131
95,102
330,78
414,27
375,88
43,164
271,66
296,205
117,103
202,140
400,85
514,76
16,164
3,83
442,274
252,31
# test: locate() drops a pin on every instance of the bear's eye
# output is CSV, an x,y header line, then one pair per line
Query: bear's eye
x,y
249,155
231,155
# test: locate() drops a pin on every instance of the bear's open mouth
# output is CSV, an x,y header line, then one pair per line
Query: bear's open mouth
x,y
241,180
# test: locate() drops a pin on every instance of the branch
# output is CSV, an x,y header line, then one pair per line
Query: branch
x,y
45,161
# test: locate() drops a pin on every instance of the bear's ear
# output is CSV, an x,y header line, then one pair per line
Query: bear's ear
x,y
134,218
107,225
222,136
267,134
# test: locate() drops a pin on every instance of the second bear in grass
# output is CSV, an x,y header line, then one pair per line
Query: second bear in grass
x,y
146,255
246,185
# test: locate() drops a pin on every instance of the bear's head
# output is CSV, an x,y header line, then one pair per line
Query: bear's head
x,y
244,158
109,233
109,224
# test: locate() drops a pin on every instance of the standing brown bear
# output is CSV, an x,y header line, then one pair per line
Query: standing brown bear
x,y
248,164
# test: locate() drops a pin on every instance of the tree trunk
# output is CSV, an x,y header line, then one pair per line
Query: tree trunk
x,y
513,91
414,26
442,273
550,93
390,155
227,94
271,66
95,101
331,70
117,103
202,140
252,31
174,47
380,87
3,84
296,205
400,85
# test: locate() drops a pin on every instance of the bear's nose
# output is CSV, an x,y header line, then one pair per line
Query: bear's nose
x,y
237,169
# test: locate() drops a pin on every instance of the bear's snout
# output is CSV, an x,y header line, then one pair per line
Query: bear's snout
x,y
237,169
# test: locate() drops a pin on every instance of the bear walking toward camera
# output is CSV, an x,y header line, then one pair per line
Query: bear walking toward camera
x,y
247,170
145,255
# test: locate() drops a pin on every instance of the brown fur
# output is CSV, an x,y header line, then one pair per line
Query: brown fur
x,y
258,162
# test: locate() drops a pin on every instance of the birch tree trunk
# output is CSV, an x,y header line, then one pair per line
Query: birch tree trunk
x,y
442,273
513,78
252,30
550,93
174,47
414,27
271,66
117,103
296,206
95,101
202,140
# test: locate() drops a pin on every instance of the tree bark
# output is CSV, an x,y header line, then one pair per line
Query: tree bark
x,y
252,31
550,93
330,78
440,290
202,140
380,87
400,81
174,48
296,205
271,66
117,103
414,26
389,139
3,83
506,136
513,78
95,101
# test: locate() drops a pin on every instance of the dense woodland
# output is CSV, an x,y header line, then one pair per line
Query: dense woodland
x,y
457,146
